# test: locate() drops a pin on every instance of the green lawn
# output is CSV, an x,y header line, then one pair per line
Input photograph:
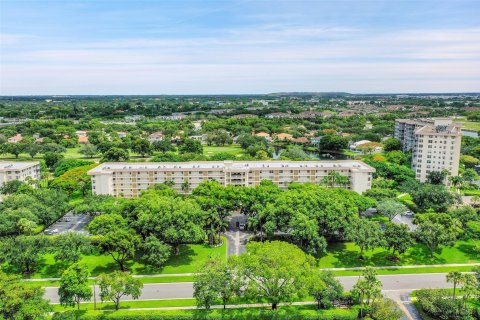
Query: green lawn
x,y
346,273
163,279
130,304
468,125
471,192
284,312
344,255
189,260
73,153
233,149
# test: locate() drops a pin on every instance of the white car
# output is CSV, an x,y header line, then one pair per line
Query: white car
x,y
409,213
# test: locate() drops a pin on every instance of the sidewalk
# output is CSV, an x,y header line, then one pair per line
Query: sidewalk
x,y
326,269
407,267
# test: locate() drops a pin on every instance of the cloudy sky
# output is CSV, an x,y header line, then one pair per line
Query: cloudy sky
x,y
243,46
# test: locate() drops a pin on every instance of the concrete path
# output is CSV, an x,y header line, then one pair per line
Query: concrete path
x,y
237,246
408,267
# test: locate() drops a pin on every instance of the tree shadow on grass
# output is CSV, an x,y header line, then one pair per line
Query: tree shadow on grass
x,y
54,270
420,254
109,267
185,257
471,250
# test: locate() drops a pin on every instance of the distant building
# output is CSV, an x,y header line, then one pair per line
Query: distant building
x,y
197,125
277,115
122,134
347,113
16,138
283,136
173,116
264,135
156,136
435,144
244,116
19,170
83,139
129,179
310,115
301,140
355,145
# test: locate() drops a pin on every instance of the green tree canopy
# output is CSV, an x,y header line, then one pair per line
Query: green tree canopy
x,y
274,270
117,284
74,286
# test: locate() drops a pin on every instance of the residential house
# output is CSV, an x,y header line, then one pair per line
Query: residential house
x,y
264,135
156,136
283,137
16,138
83,139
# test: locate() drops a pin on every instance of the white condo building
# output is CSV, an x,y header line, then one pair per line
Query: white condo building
x,y
435,144
18,171
129,179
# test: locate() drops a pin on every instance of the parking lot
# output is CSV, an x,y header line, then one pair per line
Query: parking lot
x,y
404,219
69,222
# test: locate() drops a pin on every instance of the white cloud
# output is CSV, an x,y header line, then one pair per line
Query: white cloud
x,y
271,58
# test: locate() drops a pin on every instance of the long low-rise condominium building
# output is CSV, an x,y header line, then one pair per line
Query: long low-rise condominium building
x,y
128,179
19,170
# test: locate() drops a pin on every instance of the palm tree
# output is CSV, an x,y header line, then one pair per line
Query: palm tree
x,y
334,178
456,278
185,186
455,181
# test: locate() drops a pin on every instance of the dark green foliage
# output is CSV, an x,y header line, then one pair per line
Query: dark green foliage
x,y
115,154
190,146
12,186
392,144
333,143
69,164
41,206
21,301
23,252
438,304
398,173
427,196
52,159
380,194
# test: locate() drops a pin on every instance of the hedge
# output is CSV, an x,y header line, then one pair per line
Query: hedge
x,y
284,313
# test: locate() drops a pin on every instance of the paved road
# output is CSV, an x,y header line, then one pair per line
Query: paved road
x,y
395,286
236,238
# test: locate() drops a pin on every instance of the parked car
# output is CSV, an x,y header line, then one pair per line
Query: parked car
x,y
242,226
409,213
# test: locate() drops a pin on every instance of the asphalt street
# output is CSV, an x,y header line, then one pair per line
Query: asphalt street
x,y
397,287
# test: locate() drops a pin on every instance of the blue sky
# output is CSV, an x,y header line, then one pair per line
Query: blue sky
x,y
244,46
